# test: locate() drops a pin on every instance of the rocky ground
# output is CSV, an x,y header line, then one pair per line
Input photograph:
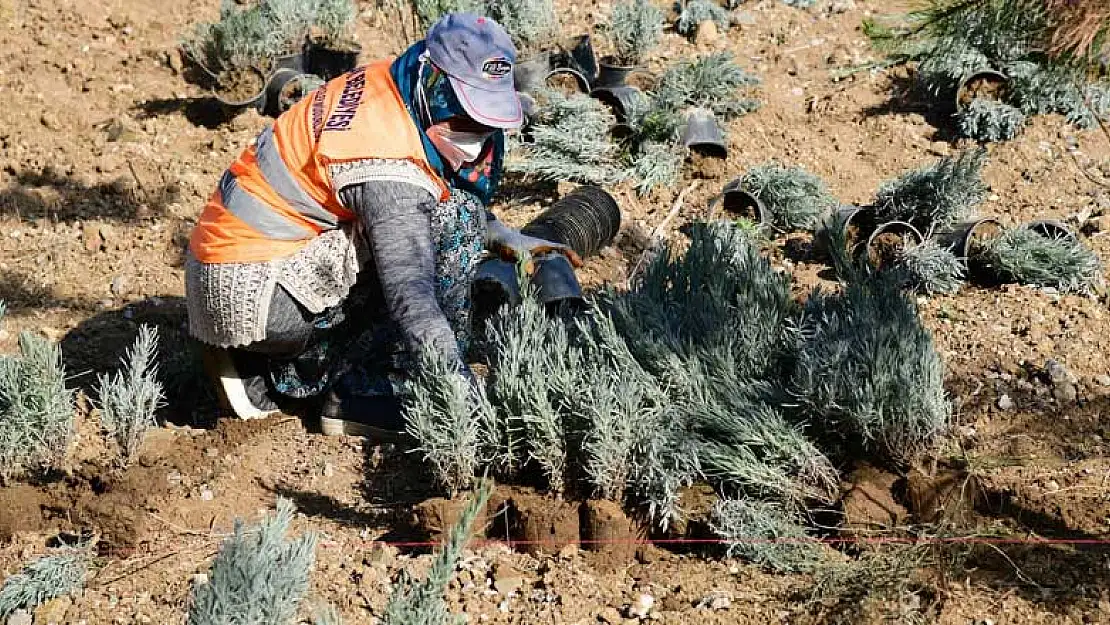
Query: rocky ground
x,y
108,155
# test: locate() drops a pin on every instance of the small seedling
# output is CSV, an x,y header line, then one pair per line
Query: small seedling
x,y
130,398
766,533
423,603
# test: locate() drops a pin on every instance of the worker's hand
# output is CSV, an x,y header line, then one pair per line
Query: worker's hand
x,y
512,245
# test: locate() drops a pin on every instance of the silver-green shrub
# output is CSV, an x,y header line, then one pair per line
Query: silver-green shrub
x,y
130,398
867,378
930,269
258,577
36,408
797,199
936,196
766,533
1027,257
698,11
44,579
444,412
990,121
635,28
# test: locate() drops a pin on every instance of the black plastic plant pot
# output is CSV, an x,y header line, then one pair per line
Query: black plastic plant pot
x,y
612,73
889,239
583,58
585,220
855,223
984,83
737,201
620,100
567,81
494,285
555,282
329,63
256,99
1050,229
703,135
967,237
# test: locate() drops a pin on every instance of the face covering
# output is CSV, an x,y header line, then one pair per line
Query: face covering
x,y
456,147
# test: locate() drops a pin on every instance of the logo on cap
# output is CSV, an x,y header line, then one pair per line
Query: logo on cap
x,y
496,67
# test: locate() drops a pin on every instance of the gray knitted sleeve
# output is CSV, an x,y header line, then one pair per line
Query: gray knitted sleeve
x,y
396,217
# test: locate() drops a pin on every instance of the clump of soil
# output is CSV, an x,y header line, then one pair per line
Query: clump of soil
x,y
869,504
950,495
240,85
434,518
608,531
20,511
542,524
986,87
707,164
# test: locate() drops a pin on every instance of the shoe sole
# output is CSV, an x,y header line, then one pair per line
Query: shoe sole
x,y
339,427
232,392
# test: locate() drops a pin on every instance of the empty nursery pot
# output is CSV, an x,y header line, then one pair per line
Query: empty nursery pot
x,y
586,220
984,83
1050,229
620,99
703,135
583,59
555,281
612,73
965,237
856,224
567,80
889,239
737,201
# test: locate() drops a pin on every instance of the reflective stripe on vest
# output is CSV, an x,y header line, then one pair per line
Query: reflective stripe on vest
x,y
257,214
277,175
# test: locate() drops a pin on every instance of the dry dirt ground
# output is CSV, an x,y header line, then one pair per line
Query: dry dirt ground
x,y
108,155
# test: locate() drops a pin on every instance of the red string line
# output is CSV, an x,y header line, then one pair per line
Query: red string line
x,y
957,540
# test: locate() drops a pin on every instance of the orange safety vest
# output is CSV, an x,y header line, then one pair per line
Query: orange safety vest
x,y
278,194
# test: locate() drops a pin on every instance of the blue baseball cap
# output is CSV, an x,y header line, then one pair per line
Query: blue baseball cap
x,y
478,58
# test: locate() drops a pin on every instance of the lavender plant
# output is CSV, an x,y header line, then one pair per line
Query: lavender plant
x,y
797,199
258,577
533,366
422,603
44,579
698,11
254,35
931,269
635,28
935,196
766,533
714,82
1028,257
130,398
990,121
867,377
36,408
531,23
444,413
570,142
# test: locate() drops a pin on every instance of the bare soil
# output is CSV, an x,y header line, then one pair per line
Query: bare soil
x,y
108,156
